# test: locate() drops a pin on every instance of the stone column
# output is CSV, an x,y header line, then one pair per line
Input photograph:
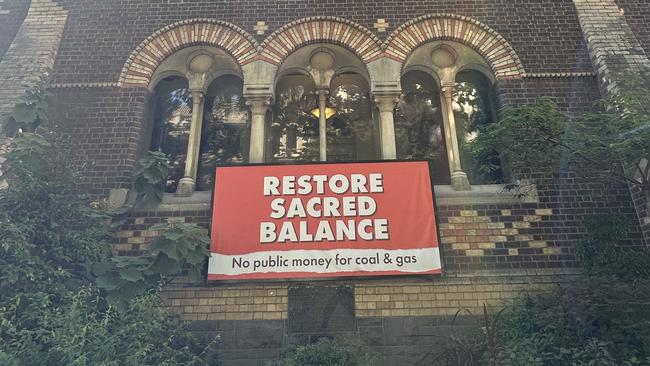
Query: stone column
x,y
386,105
322,124
258,106
187,184
459,181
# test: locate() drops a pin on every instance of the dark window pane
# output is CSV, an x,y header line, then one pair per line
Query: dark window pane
x,y
293,131
474,110
225,134
351,131
172,119
419,131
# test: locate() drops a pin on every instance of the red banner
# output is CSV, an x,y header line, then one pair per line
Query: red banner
x,y
323,220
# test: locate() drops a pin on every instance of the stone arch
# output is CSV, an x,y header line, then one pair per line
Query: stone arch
x,y
144,60
311,30
498,53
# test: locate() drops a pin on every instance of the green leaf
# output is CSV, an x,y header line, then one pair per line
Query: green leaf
x,y
24,113
165,265
131,274
109,281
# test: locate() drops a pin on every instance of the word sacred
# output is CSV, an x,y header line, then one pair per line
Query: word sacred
x,y
332,205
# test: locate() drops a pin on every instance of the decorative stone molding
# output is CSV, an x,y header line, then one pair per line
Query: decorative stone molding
x,y
487,42
499,54
83,85
560,75
143,61
320,29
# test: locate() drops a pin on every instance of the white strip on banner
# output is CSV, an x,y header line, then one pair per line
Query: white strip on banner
x,y
326,261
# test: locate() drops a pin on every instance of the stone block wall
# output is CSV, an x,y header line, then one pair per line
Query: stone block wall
x,y
400,321
12,14
613,46
33,51
637,15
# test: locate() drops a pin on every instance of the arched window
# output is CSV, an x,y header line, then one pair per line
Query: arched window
x,y
171,127
474,110
293,130
351,131
225,134
419,128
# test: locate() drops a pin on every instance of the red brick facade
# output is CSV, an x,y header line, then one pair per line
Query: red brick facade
x,y
110,50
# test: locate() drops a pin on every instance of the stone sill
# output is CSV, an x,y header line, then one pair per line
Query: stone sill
x,y
445,196
482,194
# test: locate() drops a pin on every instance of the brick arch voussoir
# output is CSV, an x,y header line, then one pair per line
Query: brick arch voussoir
x,y
493,47
143,61
355,37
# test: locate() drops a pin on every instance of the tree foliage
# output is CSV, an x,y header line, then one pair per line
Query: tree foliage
x,y
612,142
30,110
595,321
326,352
58,305
602,254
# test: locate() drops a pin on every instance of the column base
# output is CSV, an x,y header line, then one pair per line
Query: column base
x,y
185,187
459,181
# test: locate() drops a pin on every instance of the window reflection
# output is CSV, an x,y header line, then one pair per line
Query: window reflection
x,y
225,133
351,131
474,110
171,128
293,131
419,131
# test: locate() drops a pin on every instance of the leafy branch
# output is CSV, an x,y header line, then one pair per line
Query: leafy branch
x,y
612,142
180,246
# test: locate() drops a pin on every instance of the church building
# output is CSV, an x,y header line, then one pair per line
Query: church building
x,y
288,100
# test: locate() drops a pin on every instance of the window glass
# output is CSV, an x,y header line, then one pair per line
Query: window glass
x,y
171,128
474,110
225,133
419,131
351,131
293,130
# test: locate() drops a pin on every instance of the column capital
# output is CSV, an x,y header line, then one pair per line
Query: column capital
x,y
196,80
258,104
447,88
386,102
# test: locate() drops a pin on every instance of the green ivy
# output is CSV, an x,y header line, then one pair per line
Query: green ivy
x,y
30,110
327,352
150,179
599,321
180,246
64,299
607,143
602,254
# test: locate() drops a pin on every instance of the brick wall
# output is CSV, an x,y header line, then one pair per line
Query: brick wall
x,y
477,236
31,53
101,34
399,321
107,125
575,95
612,45
12,14
637,15
33,50
490,252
